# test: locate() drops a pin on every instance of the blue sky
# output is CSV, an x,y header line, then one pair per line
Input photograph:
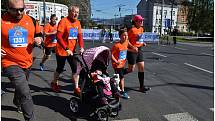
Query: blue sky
x,y
106,9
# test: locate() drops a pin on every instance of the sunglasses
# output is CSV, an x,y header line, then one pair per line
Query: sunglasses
x,y
17,9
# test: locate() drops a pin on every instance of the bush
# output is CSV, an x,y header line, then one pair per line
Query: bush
x,y
185,34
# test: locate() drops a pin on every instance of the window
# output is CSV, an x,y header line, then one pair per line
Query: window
x,y
173,13
182,19
156,21
172,22
165,12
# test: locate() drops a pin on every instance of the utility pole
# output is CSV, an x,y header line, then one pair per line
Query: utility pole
x,y
55,8
120,7
44,16
161,17
171,15
44,11
115,15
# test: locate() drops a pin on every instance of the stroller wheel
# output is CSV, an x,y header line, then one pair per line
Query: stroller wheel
x,y
74,104
102,115
114,113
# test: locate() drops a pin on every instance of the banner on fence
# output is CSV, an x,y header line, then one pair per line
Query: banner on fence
x,y
149,36
96,34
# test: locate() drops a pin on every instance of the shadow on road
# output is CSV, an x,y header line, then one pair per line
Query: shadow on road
x,y
184,85
8,119
8,108
60,105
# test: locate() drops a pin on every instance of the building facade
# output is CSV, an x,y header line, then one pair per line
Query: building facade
x,y
36,10
84,5
154,19
182,21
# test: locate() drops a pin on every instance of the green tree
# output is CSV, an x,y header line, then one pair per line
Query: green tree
x,y
200,15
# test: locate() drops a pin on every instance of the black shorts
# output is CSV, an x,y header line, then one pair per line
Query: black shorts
x,y
119,71
61,60
48,50
134,58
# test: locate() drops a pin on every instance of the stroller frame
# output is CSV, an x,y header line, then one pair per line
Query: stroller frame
x,y
101,113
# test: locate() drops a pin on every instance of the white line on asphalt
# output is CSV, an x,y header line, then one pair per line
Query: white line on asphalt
x,y
134,119
212,109
180,48
198,68
180,117
207,54
158,54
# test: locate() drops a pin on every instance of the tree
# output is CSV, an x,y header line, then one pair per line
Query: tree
x,y
200,15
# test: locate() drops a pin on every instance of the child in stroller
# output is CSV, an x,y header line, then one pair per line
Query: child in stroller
x,y
104,84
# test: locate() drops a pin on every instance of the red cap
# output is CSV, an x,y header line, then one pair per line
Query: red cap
x,y
137,17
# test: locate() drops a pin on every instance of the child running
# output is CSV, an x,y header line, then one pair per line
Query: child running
x,y
119,53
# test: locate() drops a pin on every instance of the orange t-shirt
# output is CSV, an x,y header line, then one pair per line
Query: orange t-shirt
x,y
133,36
17,39
119,51
50,40
70,32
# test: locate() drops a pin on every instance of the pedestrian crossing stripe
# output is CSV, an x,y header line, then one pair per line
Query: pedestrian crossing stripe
x,y
180,117
134,119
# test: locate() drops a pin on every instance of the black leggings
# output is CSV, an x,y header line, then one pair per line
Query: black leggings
x,y
61,60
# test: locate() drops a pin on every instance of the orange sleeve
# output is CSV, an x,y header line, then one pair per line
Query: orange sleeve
x,y
46,28
61,26
37,28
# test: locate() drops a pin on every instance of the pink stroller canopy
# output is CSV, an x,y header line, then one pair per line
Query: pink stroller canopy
x,y
101,53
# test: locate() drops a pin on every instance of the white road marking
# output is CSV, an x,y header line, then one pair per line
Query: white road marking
x,y
180,117
207,54
159,54
198,68
212,109
180,48
134,119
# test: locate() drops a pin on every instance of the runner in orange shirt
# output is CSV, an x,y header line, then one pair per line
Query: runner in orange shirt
x,y
50,32
119,53
135,56
68,32
17,39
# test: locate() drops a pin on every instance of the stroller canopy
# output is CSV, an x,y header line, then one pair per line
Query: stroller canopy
x,y
100,53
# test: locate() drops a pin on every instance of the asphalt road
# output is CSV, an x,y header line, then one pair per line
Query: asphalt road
x,y
181,78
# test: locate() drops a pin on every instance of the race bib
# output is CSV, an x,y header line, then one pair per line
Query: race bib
x,y
122,55
18,37
73,33
141,38
54,40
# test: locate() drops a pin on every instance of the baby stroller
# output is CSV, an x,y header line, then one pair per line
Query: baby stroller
x,y
91,59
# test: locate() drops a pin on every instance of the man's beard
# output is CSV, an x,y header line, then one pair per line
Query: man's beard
x,y
18,17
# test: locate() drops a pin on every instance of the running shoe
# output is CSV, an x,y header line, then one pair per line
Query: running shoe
x,y
19,110
144,89
77,91
125,95
41,66
55,87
